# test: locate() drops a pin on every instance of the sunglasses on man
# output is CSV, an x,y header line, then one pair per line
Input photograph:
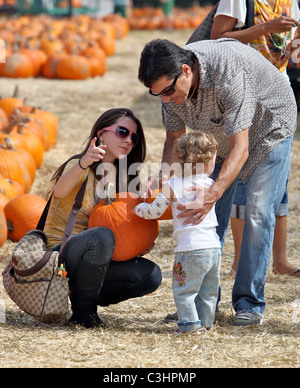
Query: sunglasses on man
x,y
168,91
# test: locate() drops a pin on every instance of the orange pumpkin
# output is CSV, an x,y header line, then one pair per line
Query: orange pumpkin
x,y
168,213
22,156
9,104
37,57
6,188
17,66
133,235
18,188
23,214
74,67
49,68
3,227
10,167
3,119
3,200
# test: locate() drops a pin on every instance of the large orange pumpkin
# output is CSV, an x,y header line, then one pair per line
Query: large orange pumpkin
x,y
133,235
3,228
23,213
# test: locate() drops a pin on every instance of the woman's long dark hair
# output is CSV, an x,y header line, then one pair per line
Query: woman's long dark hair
x,y
107,119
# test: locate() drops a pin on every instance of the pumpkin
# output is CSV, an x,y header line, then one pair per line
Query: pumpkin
x,y
9,104
74,67
3,119
133,235
6,188
23,214
18,188
3,227
47,122
10,167
3,200
17,66
37,57
168,213
22,156
49,68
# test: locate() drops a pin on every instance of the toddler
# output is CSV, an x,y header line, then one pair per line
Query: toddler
x,y
196,272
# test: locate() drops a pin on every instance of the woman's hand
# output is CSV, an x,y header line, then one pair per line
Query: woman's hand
x,y
93,154
281,24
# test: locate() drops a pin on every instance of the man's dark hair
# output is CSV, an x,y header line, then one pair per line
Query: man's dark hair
x,y
160,58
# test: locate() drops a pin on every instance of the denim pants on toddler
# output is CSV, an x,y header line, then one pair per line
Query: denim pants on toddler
x,y
196,277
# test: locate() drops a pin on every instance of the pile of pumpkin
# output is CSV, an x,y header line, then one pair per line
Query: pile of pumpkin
x,y
150,18
26,133
74,48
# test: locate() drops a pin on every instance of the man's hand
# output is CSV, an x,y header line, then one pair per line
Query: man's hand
x,y
198,209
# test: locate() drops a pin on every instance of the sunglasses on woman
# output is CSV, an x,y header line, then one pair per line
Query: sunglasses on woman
x,y
123,133
169,91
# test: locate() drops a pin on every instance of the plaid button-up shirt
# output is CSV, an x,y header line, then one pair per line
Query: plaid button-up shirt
x,y
238,89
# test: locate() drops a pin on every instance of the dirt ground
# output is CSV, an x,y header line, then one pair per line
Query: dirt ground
x,y
135,336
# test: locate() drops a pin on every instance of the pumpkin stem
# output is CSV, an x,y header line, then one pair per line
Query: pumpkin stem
x,y
10,226
10,126
8,144
16,91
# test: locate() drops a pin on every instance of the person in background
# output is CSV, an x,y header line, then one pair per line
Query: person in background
x,y
196,272
168,8
120,7
272,35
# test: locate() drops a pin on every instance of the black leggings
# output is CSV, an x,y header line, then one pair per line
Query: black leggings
x,y
123,280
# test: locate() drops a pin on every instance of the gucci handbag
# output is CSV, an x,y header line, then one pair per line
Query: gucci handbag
x,y
35,278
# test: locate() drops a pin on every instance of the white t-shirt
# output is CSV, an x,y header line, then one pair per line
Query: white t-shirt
x,y
237,10
191,237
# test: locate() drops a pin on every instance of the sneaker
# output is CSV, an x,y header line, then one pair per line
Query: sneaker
x,y
171,318
247,319
193,332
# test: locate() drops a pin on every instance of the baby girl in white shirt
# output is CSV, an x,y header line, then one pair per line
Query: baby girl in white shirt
x,y
196,272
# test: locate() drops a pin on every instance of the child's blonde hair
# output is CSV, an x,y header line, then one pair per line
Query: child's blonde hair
x,y
196,147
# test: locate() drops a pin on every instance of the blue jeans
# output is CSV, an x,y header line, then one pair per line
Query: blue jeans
x,y
239,202
196,278
124,280
265,190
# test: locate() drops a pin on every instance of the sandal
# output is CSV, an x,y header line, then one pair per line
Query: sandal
x,y
232,273
294,274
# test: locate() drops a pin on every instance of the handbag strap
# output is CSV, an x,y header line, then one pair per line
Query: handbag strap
x,y
71,220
